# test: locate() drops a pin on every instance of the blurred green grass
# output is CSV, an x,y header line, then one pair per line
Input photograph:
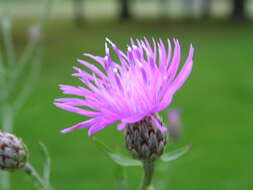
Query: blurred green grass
x,y
216,104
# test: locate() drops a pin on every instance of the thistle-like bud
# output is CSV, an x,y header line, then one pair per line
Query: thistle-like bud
x,y
175,128
13,153
144,140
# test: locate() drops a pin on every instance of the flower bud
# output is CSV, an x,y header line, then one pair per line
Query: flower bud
x,y
144,140
13,153
175,129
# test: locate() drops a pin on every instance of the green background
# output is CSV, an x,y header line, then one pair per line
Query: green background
x,y
216,104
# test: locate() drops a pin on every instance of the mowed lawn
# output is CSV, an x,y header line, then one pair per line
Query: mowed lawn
x,y
216,104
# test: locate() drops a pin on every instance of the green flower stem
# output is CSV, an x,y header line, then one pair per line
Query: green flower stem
x,y
148,174
40,182
7,126
5,180
7,38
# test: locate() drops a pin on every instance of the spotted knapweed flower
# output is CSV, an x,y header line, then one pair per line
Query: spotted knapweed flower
x,y
134,88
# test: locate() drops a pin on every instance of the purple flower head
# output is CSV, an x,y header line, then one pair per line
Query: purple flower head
x,y
140,83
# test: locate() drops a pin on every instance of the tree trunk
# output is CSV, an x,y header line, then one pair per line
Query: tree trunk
x,y
206,8
124,9
78,12
188,8
163,9
239,11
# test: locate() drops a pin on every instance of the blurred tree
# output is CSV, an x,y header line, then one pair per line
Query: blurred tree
x,y
124,9
163,9
78,12
206,8
239,11
188,8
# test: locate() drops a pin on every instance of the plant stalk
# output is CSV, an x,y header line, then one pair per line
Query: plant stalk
x,y
5,180
40,182
148,175
7,126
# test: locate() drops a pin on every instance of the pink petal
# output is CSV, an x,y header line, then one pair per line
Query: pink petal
x,y
158,125
121,126
77,110
79,126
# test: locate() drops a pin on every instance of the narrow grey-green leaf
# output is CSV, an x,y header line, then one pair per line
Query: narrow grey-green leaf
x,y
47,162
174,155
102,146
116,157
124,161
151,187
8,39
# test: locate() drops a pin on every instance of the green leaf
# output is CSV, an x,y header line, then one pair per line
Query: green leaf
x,y
174,155
116,157
151,187
47,162
124,161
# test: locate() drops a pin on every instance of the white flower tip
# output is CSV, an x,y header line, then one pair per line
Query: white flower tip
x,y
144,46
191,47
80,60
139,63
191,53
90,132
64,131
115,70
77,69
110,42
175,41
135,47
59,105
58,100
169,43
